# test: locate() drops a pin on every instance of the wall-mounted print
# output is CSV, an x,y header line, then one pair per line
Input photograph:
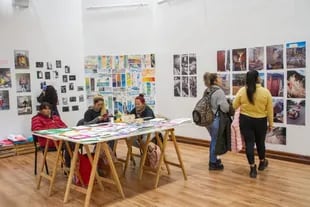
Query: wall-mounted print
x,y
65,109
192,64
296,84
58,63
49,65
63,89
4,100
23,83
296,112
64,100
238,81
72,99
296,55
91,64
277,136
177,86
65,78
55,74
184,64
185,89
47,75
192,86
39,75
81,98
275,84
71,86
75,108
24,105
80,88
274,57
223,60
39,64
176,65
239,59
5,78
67,69
278,110
152,60
37,107
262,78
225,82
21,59
72,77
256,58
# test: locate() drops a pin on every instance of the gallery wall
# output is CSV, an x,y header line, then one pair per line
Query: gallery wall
x,y
202,27
49,33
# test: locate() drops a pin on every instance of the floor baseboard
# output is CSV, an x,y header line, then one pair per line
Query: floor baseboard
x,y
269,153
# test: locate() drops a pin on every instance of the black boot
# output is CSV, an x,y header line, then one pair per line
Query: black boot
x,y
253,171
262,165
216,166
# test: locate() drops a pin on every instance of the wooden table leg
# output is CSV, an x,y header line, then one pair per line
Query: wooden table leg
x,y
59,148
72,170
160,144
144,154
112,168
92,175
161,159
129,142
91,161
43,163
178,153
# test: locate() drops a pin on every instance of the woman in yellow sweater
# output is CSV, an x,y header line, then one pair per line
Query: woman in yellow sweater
x,y
256,108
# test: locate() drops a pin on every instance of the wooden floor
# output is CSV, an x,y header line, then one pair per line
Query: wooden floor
x,y
282,184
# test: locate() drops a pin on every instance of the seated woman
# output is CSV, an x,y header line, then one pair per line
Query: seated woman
x,y
142,110
45,120
97,113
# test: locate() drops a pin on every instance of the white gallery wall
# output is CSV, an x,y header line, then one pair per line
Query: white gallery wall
x,y
201,27
50,31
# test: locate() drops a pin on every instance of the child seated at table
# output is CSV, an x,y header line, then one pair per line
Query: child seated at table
x,y
45,120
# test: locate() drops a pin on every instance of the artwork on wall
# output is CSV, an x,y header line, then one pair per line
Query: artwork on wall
x,y
296,55
71,86
277,136
239,59
21,59
72,99
296,84
65,109
58,63
72,78
184,64
4,100
275,84
39,64
81,98
177,86
75,108
5,78
192,64
63,89
65,78
185,89
256,58
192,86
176,65
24,105
262,79
296,113
47,75
56,74
23,83
64,100
238,81
223,60
274,57
80,88
225,82
49,65
278,110
39,75
67,69
91,64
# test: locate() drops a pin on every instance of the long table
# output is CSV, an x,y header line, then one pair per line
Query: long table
x,y
99,135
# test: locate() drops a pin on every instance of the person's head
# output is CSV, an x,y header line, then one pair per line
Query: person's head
x,y
45,109
98,103
139,101
252,78
51,95
211,79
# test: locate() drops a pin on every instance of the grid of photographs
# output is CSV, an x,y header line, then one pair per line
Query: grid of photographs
x,y
285,81
185,75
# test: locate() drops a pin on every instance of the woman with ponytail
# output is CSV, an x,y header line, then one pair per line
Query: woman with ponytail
x,y
256,109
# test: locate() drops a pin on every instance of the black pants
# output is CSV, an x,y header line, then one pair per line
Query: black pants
x,y
254,132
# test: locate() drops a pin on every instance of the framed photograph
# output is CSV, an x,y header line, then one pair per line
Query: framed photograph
x,y
64,101
75,108
23,83
192,69
80,88
185,88
296,112
67,69
184,64
65,78
71,86
275,84
277,136
177,86
47,75
296,84
65,109
58,63
4,100
56,74
192,86
72,77
238,81
24,105
278,110
39,75
63,89
5,78
223,60
256,58
49,66
81,98
176,65
274,57
72,99
239,59
21,59
39,64
296,55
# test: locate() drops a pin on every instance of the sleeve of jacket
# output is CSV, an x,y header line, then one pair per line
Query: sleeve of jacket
x,y
59,122
36,124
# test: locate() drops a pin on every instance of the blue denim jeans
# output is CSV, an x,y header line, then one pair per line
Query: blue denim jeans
x,y
213,131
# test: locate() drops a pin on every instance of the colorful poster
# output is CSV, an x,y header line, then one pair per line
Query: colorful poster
x,y
24,105
122,62
256,58
129,79
296,84
274,57
5,78
296,112
239,59
296,55
116,63
4,100
277,136
275,84
123,80
103,63
134,62
87,84
21,59
91,64
23,83
223,60
278,110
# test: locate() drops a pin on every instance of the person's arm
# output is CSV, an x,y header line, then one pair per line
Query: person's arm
x,y
36,124
222,101
59,122
148,113
270,110
88,119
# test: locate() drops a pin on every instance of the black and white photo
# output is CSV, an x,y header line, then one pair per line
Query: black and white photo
x,y
65,78
72,99
47,75
39,64
58,63
185,89
67,69
176,65
192,64
64,100
81,98
184,64
49,65
71,86
63,89
177,86
192,86
72,77
39,75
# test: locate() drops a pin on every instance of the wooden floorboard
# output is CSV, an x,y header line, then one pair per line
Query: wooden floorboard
x,y
282,184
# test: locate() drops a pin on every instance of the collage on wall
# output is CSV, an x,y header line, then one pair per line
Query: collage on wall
x,y
285,81
185,75
120,79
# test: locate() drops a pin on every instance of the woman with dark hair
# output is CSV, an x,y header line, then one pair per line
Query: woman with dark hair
x,y
142,110
256,108
218,102
49,95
